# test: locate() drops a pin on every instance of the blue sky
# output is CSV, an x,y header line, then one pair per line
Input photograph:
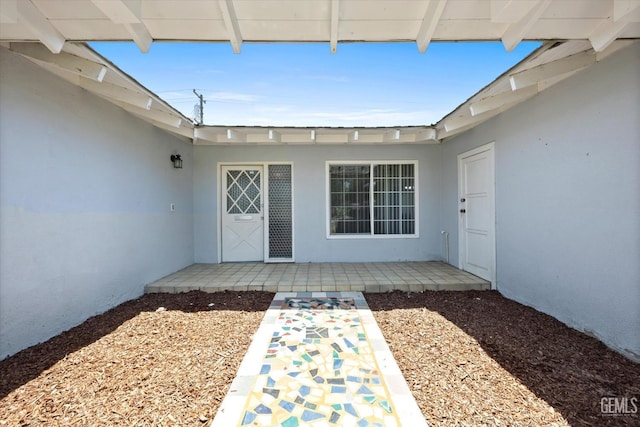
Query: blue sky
x,y
372,84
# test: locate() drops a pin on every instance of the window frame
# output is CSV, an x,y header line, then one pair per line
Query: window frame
x,y
371,234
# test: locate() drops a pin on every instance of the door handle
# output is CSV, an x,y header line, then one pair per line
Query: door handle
x,y
463,210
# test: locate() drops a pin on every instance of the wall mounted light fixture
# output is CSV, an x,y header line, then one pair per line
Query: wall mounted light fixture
x,y
177,161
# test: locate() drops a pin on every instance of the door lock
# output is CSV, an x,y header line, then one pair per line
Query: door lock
x,y
463,210
463,200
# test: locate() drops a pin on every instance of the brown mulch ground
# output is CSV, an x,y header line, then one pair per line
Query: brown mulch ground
x,y
470,358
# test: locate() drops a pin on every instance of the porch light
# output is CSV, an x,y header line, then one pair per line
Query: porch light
x,y
177,161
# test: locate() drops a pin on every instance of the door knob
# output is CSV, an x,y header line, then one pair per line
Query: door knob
x,y
463,200
463,210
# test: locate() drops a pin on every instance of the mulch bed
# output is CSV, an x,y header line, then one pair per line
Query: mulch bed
x,y
470,358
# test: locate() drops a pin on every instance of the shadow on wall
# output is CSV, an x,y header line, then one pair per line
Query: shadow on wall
x,y
569,370
30,363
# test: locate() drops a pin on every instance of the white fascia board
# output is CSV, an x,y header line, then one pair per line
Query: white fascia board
x,y
552,69
31,16
502,99
335,25
391,136
353,136
518,30
429,23
117,93
155,115
231,23
8,11
65,61
183,130
463,121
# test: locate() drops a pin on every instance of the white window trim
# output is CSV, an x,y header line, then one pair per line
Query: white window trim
x,y
371,163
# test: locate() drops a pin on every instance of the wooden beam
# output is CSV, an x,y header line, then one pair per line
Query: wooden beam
x,y
391,136
429,23
129,14
552,69
502,99
427,135
231,22
40,25
518,30
65,61
605,34
233,135
155,115
335,24
275,136
117,93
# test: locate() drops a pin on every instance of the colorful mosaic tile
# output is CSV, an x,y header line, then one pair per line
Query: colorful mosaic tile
x,y
319,370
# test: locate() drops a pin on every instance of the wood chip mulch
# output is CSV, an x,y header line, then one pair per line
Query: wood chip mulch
x,y
470,358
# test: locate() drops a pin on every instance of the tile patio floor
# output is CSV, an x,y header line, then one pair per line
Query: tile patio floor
x,y
319,277
319,359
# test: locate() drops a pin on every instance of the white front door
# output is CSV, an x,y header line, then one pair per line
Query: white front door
x,y
242,214
476,206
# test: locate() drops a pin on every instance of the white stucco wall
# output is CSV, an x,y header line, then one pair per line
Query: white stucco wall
x,y
85,190
311,243
568,200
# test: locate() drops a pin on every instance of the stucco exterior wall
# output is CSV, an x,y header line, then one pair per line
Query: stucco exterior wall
x,y
568,200
85,190
310,240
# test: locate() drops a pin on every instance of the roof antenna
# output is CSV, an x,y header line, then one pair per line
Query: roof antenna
x,y
198,109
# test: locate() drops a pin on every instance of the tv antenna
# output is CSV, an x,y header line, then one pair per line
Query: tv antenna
x,y
199,109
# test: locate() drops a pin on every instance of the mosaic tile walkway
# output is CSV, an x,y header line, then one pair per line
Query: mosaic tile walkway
x,y
319,359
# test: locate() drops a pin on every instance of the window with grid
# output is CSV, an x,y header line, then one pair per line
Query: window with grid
x,y
372,198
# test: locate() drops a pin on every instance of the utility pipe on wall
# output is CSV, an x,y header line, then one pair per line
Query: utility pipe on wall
x,y
446,245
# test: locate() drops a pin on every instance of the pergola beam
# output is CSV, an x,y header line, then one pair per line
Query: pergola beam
x,y
335,24
31,16
129,14
429,23
623,13
549,70
518,30
231,23
64,61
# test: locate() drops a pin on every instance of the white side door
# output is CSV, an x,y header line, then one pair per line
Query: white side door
x,y
476,206
242,213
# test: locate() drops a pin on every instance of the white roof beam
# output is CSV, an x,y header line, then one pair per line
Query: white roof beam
x,y
127,13
231,22
65,61
353,136
429,23
155,115
117,93
624,12
8,11
31,16
275,136
502,99
312,136
391,136
518,30
233,135
427,135
335,24
549,70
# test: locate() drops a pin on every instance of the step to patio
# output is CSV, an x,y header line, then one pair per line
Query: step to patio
x,y
319,277
319,359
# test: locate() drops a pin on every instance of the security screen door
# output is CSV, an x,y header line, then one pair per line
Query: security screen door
x,y
242,214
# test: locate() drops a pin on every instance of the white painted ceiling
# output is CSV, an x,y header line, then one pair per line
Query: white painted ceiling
x,y
578,33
